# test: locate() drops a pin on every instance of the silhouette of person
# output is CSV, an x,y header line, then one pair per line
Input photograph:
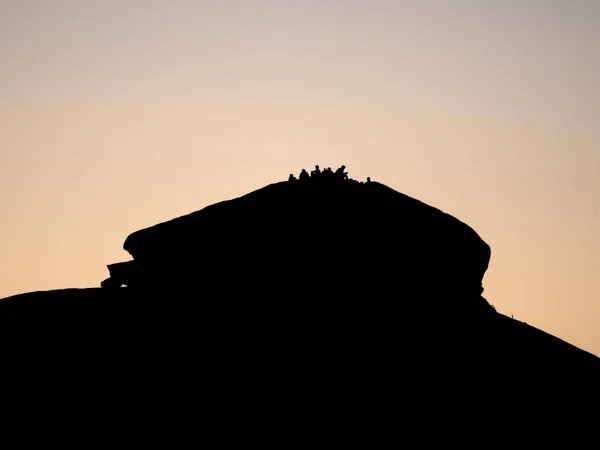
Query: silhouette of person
x,y
340,174
292,177
368,179
304,175
316,172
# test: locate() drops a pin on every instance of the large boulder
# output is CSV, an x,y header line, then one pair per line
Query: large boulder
x,y
320,235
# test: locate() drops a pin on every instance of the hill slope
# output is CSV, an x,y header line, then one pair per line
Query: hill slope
x,y
310,288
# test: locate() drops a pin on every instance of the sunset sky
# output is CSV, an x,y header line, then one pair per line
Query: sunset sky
x,y
119,114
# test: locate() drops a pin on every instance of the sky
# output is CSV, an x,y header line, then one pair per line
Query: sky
x,y
116,115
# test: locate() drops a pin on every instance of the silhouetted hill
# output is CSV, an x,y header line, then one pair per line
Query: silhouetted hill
x,y
320,288
347,237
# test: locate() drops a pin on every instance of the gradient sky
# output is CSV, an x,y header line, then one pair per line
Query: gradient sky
x,y
116,115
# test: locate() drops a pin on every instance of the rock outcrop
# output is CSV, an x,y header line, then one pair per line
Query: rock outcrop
x,y
320,298
318,236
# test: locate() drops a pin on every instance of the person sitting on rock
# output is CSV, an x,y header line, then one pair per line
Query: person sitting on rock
x,y
340,174
292,177
316,172
368,179
328,173
304,175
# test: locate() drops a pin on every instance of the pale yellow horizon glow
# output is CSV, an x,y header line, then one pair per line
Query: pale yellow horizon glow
x,y
117,115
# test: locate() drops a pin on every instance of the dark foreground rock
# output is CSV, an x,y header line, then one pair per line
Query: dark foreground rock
x,y
353,238
250,359
326,301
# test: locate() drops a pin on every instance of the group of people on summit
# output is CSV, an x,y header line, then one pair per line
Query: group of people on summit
x,y
317,173
339,174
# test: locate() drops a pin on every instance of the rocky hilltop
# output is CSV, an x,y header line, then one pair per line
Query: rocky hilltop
x,y
320,285
321,236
